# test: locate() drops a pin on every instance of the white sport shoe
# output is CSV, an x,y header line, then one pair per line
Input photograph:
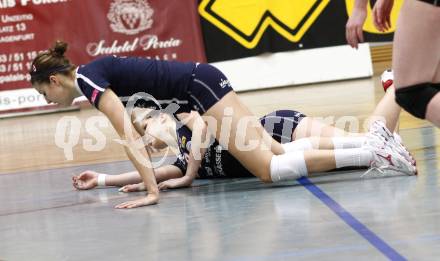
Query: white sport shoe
x,y
387,162
409,156
397,137
378,128
387,79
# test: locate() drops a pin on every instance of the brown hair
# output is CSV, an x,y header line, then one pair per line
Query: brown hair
x,y
50,62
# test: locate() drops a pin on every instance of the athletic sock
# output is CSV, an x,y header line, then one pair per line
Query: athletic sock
x,y
347,142
352,157
297,145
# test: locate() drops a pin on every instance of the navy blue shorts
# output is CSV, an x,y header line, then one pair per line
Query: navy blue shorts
x,y
207,87
279,124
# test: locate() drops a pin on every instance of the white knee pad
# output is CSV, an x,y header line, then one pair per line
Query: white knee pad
x,y
297,145
288,166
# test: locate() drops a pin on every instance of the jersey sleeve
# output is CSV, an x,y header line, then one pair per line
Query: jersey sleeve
x,y
92,86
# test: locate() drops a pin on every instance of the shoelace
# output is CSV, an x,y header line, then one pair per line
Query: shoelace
x,y
405,151
365,174
381,171
397,144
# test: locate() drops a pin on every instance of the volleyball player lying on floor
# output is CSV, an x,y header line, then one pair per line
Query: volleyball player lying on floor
x,y
283,125
111,83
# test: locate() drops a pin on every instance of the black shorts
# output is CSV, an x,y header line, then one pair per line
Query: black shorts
x,y
279,124
207,87
432,2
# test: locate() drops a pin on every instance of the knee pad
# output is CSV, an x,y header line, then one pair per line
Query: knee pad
x,y
414,99
288,166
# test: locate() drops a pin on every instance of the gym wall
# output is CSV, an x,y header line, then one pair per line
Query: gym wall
x,y
257,43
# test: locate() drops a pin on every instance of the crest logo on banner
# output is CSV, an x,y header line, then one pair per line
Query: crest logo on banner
x,y
130,16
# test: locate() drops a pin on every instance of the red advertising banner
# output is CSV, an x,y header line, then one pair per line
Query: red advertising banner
x,y
158,29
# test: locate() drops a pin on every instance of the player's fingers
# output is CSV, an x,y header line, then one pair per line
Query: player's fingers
x,y
360,35
376,18
347,35
82,175
389,22
123,205
133,205
351,39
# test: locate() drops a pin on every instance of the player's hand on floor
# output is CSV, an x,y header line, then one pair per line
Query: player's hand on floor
x,y
150,199
171,183
86,180
133,188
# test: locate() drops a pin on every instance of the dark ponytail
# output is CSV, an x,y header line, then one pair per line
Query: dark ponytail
x,y
58,49
50,62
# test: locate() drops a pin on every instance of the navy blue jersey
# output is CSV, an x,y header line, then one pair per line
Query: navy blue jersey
x,y
164,80
211,165
218,163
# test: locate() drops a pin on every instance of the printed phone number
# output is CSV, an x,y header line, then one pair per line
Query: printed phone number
x,y
18,57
